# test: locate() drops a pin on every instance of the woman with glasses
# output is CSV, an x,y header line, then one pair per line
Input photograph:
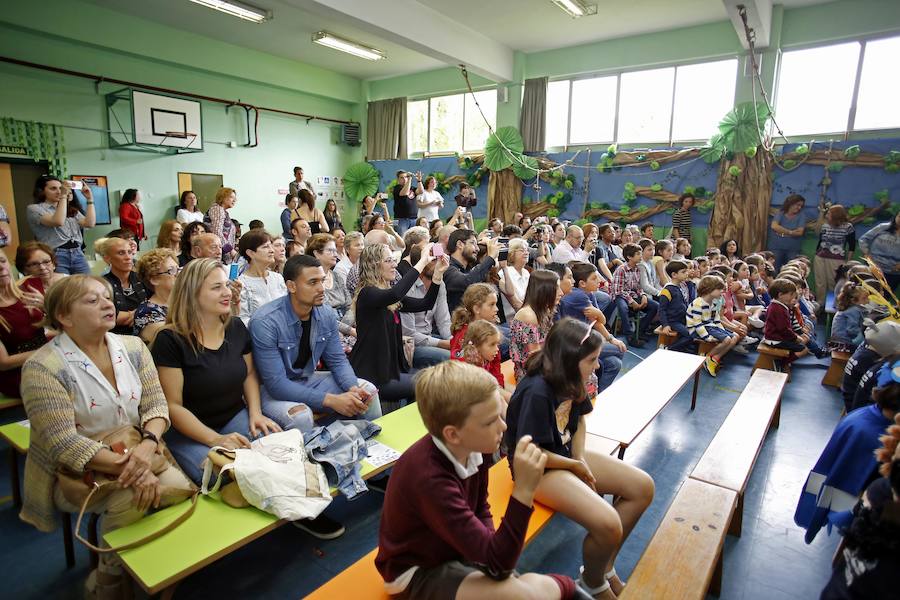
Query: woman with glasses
x,y
260,284
157,270
378,354
37,262
128,291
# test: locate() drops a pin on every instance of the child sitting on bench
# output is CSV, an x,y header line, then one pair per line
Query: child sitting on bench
x,y
437,537
705,324
549,405
673,307
778,331
480,347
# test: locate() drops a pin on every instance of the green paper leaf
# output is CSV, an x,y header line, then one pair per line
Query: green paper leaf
x,y
569,185
892,168
750,152
852,151
836,167
553,212
496,157
528,170
656,187
689,189
743,126
360,180
868,220
881,195
856,210
624,210
629,186
734,170
654,165
801,150
789,163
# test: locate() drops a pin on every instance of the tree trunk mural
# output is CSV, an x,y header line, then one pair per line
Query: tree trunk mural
x,y
504,195
742,203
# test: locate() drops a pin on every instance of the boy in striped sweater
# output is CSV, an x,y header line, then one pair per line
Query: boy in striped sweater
x,y
704,322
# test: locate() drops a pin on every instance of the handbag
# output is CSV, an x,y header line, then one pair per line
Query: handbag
x,y
81,488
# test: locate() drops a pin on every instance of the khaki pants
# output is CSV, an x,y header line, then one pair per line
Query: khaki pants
x,y
823,269
117,510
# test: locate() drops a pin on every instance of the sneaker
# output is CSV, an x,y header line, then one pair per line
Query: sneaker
x,y
711,366
379,485
741,349
321,527
749,340
756,322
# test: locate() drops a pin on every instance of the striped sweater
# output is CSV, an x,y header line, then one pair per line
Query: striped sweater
x,y
47,392
700,315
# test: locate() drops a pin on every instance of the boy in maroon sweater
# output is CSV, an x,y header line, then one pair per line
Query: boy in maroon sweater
x,y
778,331
437,537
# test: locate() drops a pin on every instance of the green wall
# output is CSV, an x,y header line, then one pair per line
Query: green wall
x,y
183,62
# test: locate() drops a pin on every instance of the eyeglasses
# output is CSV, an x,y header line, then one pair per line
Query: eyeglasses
x,y
390,260
35,265
587,333
173,272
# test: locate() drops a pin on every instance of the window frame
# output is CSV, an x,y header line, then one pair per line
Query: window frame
x,y
428,151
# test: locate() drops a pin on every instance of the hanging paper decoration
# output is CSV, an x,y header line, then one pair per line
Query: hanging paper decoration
x,y
502,148
734,170
852,152
739,131
360,180
528,170
41,141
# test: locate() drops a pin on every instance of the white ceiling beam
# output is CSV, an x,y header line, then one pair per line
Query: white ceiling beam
x,y
759,17
422,29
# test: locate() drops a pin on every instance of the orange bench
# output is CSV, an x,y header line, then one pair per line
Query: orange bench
x,y
362,581
835,374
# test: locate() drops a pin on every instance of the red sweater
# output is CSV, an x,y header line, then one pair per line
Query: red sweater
x,y
131,218
431,516
778,323
492,367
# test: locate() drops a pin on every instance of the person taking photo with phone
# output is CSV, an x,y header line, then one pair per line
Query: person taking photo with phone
x,y
57,219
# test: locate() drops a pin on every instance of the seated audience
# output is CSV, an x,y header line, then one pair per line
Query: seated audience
x,y
429,329
278,246
847,327
705,323
673,305
629,298
549,405
259,284
188,212
332,216
339,236
70,407
191,231
570,249
480,346
353,246
530,325
650,284
647,232
301,231
378,355
206,245
436,524
464,271
665,249
778,331
37,262
20,332
128,291
514,278
170,233
882,341
157,270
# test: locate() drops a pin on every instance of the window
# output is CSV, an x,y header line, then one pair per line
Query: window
x,y
699,105
815,89
645,105
651,106
594,110
557,113
876,104
450,123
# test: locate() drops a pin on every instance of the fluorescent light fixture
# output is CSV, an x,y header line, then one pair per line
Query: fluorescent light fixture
x,y
576,8
332,41
237,9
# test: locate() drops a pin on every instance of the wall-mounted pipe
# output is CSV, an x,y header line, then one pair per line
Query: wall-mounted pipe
x,y
98,79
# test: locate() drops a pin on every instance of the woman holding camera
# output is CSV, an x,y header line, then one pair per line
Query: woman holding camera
x,y
56,219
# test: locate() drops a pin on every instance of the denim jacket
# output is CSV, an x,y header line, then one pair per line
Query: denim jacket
x,y
848,326
275,332
339,448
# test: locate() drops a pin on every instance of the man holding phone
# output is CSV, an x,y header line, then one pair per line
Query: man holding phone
x,y
464,271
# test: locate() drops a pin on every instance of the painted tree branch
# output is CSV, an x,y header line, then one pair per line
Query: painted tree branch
x,y
825,157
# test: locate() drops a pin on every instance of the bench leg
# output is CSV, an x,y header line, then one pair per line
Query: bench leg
x,y
168,593
737,519
622,448
694,393
68,543
14,479
776,418
715,585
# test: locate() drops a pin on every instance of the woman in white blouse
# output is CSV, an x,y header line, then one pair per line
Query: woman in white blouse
x,y
428,199
260,285
187,209
514,277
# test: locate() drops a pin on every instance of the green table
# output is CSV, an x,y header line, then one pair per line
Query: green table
x,y
216,529
18,436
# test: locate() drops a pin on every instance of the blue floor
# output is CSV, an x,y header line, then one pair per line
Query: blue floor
x,y
769,561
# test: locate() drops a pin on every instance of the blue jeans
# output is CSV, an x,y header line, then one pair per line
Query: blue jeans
x,y
302,419
610,365
191,454
428,356
71,261
401,225
603,299
647,314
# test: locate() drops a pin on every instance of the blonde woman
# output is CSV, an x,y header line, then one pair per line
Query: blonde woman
x,y
206,369
157,270
378,354
128,291
170,233
85,383
221,224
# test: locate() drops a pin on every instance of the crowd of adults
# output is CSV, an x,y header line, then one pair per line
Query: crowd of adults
x,y
215,337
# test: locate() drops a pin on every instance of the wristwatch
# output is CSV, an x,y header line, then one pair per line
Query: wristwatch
x,y
149,435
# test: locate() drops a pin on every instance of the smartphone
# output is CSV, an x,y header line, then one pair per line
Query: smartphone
x,y
504,249
74,185
437,250
233,272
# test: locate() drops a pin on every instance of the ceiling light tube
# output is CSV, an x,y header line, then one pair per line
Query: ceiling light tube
x,y
237,9
330,40
576,8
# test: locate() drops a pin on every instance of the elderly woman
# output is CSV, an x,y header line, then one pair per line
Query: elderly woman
x,y
206,369
157,269
514,278
221,224
37,262
76,389
56,219
260,285
128,291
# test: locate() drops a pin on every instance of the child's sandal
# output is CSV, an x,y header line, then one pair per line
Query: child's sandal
x,y
597,590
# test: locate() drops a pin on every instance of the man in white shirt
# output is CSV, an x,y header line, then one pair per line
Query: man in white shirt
x,y
570,248
430,329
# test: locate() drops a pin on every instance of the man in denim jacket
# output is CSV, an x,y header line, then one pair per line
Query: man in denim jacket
x,y
291,335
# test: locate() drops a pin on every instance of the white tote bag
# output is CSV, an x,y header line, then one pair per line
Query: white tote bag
x,y
276,476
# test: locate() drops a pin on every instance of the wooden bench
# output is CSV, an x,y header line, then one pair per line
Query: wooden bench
x,y
624,409
216,529
728,460
509,372
664,340
835,374
361,580
767,357
684,557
